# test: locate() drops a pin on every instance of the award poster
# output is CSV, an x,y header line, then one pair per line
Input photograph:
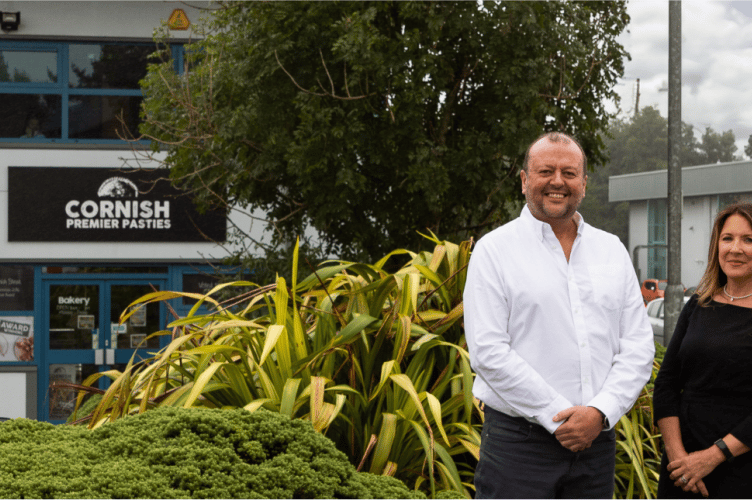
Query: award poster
x,y
16,338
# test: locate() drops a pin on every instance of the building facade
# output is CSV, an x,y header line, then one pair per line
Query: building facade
x,y
88,224
706,189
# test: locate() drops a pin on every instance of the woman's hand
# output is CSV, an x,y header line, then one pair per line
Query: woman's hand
x,y
687,471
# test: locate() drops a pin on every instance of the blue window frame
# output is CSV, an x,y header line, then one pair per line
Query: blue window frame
x,y
657,236
72,92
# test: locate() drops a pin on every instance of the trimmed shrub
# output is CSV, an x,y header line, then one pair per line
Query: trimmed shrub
x,y
183,453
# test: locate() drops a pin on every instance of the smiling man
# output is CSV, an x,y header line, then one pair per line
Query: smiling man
x,y
558,338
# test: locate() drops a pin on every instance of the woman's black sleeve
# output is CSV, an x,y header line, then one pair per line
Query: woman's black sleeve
x,y
670,380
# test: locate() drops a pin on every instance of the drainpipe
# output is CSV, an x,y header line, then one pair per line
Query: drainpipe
x,y
636,263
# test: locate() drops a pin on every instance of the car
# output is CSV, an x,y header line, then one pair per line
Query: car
x,y
655,316
653,289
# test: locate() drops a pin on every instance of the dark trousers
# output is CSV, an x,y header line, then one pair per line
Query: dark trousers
x,y
519,459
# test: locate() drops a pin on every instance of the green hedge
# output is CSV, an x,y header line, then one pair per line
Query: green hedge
x,y
183,453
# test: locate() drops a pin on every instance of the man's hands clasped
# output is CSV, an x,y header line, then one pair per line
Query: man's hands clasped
x,y
581,426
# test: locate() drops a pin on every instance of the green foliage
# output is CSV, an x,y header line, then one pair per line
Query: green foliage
x,y
449,494
182,453
638,444
718,147
369,121
375,360
660,352
84,409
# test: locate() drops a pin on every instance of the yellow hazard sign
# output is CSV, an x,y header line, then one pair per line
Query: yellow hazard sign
x,y
178,20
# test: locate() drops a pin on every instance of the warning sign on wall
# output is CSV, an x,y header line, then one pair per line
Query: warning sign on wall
x,y
178,20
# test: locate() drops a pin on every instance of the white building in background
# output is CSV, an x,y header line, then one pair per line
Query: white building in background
x,y
706,189
81,236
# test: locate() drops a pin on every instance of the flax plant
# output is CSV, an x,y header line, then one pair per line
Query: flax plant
x,y
376,360
638,448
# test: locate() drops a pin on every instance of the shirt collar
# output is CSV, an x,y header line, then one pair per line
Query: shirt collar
x,y
539,227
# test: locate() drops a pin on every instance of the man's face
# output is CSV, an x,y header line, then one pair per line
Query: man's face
x,y
555,182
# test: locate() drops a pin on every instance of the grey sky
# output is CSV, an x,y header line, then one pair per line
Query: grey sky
x,y
716,63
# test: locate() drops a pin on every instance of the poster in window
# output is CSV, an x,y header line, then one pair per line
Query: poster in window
x,y
136,340
16,338
86,322
139,317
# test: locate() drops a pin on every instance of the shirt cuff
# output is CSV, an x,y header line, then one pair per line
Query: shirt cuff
x,y
601,404
546,418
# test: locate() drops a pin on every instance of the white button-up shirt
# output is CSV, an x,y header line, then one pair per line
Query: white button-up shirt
x,y
545,334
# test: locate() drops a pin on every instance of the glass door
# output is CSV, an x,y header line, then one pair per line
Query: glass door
x,y
131,336
73,323
86,336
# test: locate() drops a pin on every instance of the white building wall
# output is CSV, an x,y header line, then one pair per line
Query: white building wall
x,y
705,189
108,19
697,221
698,215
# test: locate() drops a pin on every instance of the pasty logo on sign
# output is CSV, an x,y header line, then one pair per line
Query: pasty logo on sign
x,y
117,208
118,187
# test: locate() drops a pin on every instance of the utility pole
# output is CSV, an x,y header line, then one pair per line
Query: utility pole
x,y
637,99
674,291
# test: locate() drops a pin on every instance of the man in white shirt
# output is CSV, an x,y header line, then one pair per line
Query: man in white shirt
x,y
558,338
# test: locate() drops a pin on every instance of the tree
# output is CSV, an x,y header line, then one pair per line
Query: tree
x,y
637,144
372,121
717,147
748,147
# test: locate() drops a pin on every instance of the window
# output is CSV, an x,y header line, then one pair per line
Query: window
x,y
657,239
72,92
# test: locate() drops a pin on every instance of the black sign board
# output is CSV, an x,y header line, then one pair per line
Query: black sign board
x,y
16,288
198,283
104,204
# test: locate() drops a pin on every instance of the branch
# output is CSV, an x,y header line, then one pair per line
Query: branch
x,y
332,94
323,63
594,62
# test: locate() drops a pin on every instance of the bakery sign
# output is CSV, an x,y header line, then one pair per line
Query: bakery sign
x,y
103,204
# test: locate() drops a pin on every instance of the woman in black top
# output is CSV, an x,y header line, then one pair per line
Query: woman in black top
x,y
703,392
